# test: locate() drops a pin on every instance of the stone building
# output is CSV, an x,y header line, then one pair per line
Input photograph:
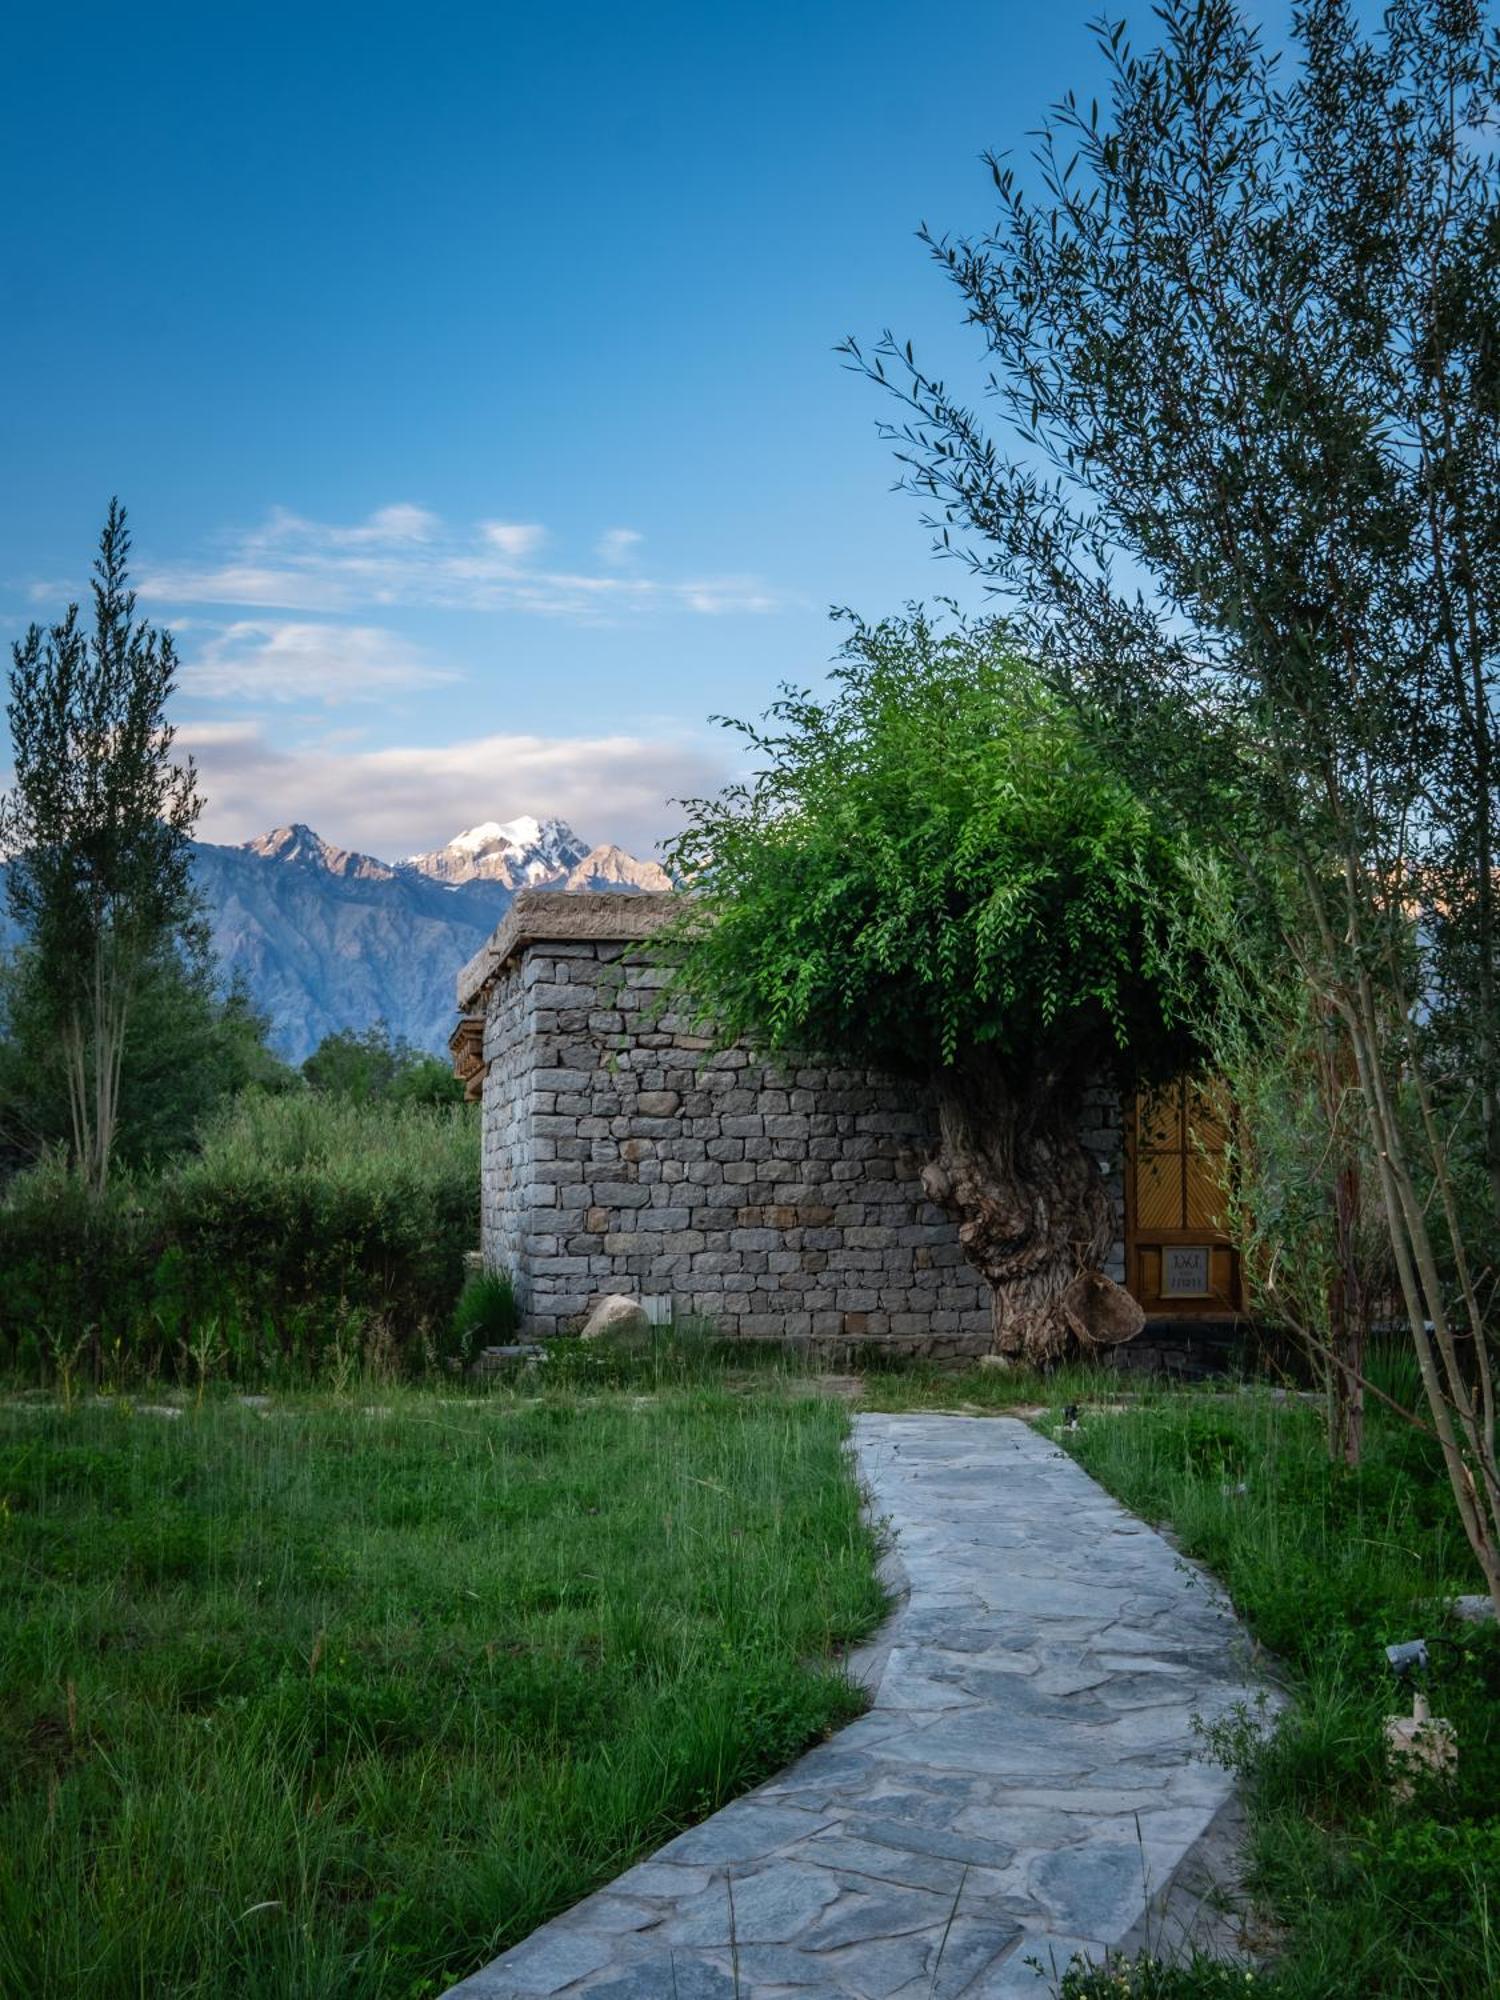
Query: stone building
x,y
623,1153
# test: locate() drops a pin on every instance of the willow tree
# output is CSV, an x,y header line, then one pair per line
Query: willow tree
x,y
933,874
97,828
1238,479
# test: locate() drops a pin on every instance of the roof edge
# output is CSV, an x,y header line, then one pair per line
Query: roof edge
x,y
548,916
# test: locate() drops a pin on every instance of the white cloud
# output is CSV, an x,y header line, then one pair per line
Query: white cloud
x,y
401,522
282,660
405,555
516,540
392,802
616,546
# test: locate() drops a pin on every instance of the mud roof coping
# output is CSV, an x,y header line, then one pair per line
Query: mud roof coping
x,y
548,916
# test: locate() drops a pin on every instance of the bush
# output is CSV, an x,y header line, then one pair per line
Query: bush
x,y
486,1315
373,1063
304,1222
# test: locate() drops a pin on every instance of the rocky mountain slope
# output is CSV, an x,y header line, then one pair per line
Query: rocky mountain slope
x,y
327,939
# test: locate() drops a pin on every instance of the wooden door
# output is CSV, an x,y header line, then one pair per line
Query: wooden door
x,y
1178,1257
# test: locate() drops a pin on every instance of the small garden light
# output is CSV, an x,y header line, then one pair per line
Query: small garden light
x,y
1408,1658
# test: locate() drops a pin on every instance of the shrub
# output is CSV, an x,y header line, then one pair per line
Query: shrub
x,y
486,1315
302,1223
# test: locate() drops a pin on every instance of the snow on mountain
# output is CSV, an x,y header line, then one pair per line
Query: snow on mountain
x,y
325,938
524,853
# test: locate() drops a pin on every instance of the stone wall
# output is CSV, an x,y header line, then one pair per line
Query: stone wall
x,y
623,1153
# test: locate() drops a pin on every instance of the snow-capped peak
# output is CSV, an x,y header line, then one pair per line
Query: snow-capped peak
x,y
519,852
522,836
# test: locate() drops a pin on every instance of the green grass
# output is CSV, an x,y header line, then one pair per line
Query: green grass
x,y
924,1385
1328,1567
326,1699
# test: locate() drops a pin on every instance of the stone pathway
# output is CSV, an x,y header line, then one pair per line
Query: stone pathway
x,y
1024,1786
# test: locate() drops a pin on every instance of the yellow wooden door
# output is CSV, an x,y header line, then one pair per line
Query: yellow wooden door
x,y
1178,1256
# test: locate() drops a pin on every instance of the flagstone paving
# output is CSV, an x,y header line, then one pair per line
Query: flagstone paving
x,y
1024,1786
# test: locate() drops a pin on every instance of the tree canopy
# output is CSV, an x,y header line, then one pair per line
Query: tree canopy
x,y
931,865
97,827
372,1063
934,873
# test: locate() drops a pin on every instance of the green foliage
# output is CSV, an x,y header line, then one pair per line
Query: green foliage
x,y
486,1315
1329,1566
1240,317
934,861
333,1697
1150,1978
97,828
372,1063
303,1222
188,1048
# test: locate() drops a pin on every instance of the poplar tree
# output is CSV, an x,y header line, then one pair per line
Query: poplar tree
x,y
97,830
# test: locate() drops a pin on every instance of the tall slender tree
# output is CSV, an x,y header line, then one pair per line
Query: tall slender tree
x,y
97,828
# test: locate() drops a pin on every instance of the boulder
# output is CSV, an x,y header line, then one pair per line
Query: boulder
x,y
617,1318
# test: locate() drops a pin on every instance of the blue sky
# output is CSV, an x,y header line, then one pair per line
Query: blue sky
x,y
468,370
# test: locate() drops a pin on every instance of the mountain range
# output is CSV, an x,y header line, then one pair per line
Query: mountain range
x,y
327,939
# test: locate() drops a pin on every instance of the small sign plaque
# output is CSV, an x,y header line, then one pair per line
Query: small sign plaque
x,y
1184,1271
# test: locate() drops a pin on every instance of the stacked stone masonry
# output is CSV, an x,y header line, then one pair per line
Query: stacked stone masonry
x,y
623,1152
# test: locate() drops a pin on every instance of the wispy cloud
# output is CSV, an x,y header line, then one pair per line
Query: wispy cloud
x,y
399,801
516,540
617,546
284,660
405,555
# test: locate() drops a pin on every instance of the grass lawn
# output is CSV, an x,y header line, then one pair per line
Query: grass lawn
x,y
997,1391
1327,1567
317,1698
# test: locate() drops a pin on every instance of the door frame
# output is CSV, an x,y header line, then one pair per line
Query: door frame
x,y
1205,1307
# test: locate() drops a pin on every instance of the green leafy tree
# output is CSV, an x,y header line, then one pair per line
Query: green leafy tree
x,y
934,874
1239,483
372,1063
188,1047
97,829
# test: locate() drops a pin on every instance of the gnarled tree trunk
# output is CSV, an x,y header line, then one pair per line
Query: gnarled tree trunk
x,y
1033,1212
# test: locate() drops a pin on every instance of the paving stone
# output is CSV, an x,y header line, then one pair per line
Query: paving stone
x,y
551,1959
1033,1968
946,1841
768,1908
662,1878
747,1835
611,1911
885,1863
883,1913
1095,1888
881,1966
672,1976
763,1966
1025,1782
968,1951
